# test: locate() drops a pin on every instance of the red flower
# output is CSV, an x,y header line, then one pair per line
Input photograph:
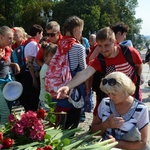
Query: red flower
x,y
11,118
48,147
1,136
39,148
41,113
7,143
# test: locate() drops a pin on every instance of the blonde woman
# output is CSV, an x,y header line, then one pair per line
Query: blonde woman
x,y
20,36
6,38
120,113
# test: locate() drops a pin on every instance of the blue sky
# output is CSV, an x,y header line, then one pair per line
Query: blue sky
x,y
143,12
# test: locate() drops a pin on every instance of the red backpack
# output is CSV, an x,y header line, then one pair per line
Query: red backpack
x,y
58,73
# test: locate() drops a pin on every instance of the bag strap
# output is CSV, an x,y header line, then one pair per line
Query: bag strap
x,y
127,54
102,63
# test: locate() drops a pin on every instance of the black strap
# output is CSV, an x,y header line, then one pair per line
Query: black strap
x,y
103,64
127,54
97,77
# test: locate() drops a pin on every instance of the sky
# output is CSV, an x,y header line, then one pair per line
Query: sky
x,y
143,12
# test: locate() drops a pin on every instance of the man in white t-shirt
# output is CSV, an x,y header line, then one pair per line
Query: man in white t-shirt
x,y
31,75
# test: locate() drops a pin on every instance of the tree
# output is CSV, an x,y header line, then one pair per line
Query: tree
x,y
95,13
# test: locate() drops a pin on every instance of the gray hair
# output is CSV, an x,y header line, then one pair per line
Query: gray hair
x,y
53,25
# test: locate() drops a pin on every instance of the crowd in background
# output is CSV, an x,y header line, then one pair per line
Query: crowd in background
x,y
83,53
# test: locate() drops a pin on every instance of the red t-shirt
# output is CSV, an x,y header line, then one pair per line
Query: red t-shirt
x,y
40,53
118,63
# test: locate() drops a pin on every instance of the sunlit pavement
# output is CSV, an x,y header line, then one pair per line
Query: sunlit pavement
x,y
146,88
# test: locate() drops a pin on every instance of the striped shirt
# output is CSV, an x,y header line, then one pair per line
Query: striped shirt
x,y
137,116
77,57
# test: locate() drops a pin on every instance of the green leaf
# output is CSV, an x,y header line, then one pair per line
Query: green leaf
x,y
48,98
78,142
23,147
52,104
47,136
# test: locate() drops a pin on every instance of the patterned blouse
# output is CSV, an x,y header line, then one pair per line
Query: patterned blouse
x,y
137,116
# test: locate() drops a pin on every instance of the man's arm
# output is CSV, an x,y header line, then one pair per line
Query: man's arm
x,y
30,60
79,78
139,69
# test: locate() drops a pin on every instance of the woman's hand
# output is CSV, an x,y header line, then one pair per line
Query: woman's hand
x,y
63,92
111,137
114,122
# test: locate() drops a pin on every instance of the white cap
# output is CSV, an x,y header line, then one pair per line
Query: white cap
x,y
12,90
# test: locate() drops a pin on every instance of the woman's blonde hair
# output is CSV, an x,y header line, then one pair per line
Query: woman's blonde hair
x,y
21,32
123,84
4,30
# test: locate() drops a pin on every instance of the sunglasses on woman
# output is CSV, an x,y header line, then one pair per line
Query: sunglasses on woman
x,y
110,81
51,34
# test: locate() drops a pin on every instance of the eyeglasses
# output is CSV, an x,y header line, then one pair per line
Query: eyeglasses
x,y
111,81
51,34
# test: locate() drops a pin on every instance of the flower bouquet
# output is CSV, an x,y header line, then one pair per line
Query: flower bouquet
x,y
31,130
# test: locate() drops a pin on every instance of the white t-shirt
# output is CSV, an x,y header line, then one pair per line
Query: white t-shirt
x,y
42,81
31,49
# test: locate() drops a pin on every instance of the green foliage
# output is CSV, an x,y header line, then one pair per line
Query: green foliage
x,y
95,13
51,117
59,141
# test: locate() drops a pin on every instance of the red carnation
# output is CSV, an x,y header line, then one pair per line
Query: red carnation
x,y
7,143
41,113
48,147
39,148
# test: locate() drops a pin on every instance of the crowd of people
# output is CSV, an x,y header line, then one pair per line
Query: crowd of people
x,y
119,106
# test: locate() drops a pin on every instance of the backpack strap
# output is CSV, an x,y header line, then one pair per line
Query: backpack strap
x,y
97,77
127,54
102,63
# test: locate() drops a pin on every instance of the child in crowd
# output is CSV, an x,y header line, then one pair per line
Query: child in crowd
x,y
49,51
